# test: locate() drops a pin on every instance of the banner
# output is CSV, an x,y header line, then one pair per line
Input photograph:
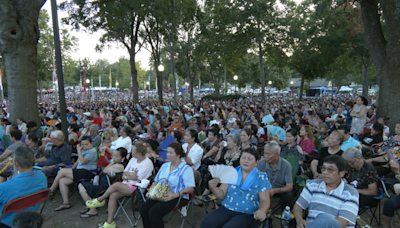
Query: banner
x,y
169,87
99,81
1,81
54,76
80,80
110,79
209,87
84,80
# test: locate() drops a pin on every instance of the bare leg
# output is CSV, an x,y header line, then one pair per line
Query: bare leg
x,y
62,173
113,204
386,221
64,189
120,187
83,193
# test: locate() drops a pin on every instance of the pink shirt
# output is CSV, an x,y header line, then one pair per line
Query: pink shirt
x,y
308,146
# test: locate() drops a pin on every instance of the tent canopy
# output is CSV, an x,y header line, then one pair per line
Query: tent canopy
x,y
345,89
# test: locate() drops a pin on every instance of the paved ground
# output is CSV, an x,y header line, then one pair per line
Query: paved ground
x,y
70,218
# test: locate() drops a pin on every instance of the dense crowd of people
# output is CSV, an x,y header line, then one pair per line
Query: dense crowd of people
x,y
337,143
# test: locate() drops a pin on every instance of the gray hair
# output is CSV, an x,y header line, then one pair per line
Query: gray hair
x,y
94,127
274,147
152,127
108,130
57,134
352,153
24,156
235,138
88,123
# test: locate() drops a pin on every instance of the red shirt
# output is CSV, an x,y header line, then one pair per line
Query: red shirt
x,y
97,121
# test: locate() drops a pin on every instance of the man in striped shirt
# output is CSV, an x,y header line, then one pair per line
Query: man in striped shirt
x,y
331,202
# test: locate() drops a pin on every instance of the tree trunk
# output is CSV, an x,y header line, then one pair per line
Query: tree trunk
x,y
301,86
19,35
40,82
385,53
262,75
366,61
135,85
172,46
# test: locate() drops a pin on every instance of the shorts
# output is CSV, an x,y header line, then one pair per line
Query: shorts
x,y
132,187
79,174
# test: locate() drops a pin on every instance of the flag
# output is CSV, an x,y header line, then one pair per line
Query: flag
x,y
84,80
1,81
149,79
99,81
185,86
169,88
209,87
80,80
54,76
110,79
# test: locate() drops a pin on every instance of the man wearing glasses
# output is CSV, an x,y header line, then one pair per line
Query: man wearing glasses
x,y
331,202
60,154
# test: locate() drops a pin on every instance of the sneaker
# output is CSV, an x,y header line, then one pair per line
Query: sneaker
x,y
184,211
106,225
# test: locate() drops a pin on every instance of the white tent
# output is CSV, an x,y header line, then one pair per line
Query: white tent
x,y
345,89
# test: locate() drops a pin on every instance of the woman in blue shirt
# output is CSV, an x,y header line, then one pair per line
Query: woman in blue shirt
x,y
87,159
244,201
181,180
237,127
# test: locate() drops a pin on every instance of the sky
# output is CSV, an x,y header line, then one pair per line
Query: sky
x,y
87,44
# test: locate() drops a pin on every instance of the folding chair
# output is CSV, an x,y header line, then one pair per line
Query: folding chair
x,y
133,197
178,209
73,188
371,212
23,202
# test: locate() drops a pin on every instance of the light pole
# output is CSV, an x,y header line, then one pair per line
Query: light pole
x,y
235,78
148,83
116,85
88,82
161,69
186,86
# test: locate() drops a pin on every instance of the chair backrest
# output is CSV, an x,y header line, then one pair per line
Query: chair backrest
x,y
23,202
294,162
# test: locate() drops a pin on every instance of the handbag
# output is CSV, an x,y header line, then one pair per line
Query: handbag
x,y
158,189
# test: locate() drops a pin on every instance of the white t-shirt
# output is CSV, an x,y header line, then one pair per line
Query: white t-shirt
x,y
195,153
122,142
143,169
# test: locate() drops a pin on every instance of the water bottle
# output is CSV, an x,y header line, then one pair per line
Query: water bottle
x,y
286,217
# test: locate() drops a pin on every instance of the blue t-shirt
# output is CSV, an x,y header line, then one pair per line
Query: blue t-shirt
x,y
90,155
234,131
246,201
21,185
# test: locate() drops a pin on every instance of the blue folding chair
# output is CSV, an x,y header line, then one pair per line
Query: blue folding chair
x,y
372,210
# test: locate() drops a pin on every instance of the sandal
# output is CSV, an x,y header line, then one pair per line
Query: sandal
x,y
88,215
63,207
50,196
85,211
95,203
106,225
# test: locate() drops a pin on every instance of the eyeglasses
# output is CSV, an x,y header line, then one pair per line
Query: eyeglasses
x,y
352,163
330,170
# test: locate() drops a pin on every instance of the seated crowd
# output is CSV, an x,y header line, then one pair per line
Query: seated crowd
x,y
337,145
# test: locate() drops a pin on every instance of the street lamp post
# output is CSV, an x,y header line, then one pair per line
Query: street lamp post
x,y
148,83
88,82
235,78
186,86
161,69
116,85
